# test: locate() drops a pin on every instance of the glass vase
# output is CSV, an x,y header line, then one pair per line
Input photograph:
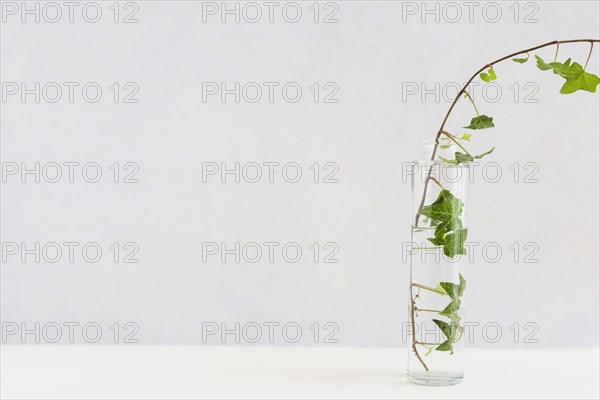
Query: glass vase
x,y
437,280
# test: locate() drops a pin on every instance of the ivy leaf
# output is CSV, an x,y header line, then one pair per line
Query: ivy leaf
x,y
521,60
450,288
462,285
462,158
452,307
446,211
575,75
449,330
572,71
440,290
458,158
466,136
444,208
490,76
447,226
454,317
484,154
556,67
481,122
582,81
446,328
455,243
446,346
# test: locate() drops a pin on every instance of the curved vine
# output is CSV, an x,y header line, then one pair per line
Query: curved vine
x,y
445,212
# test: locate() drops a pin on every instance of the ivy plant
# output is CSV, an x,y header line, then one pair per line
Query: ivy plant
x,y
445,213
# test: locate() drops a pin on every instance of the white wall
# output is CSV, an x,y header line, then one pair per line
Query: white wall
x,y
372,55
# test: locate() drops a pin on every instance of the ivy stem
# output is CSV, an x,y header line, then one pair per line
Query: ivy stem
x,y
472,102
557,47
589,55
418,285
451,137
428,344
412,323
428,310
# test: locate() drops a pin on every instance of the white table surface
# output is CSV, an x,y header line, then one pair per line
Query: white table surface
x,y
157,372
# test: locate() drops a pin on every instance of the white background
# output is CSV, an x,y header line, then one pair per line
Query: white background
x,y
371,54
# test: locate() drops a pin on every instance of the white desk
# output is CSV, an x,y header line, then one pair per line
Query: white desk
x,y
157,372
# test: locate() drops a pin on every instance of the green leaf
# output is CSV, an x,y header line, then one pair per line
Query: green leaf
x,y
440,290
455,243
458,158
556,67
481,122
444,208
484,154
466,136
452,307
521,60
462,285
575,75
449,330
572,71
489,76
454,318
446,211
446,346
445,327
450,288
583,81
462,158
446,226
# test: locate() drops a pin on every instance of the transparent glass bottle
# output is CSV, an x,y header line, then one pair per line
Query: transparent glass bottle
x,y
437,280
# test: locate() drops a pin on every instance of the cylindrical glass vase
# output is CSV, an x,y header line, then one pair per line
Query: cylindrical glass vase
x,y
437,280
